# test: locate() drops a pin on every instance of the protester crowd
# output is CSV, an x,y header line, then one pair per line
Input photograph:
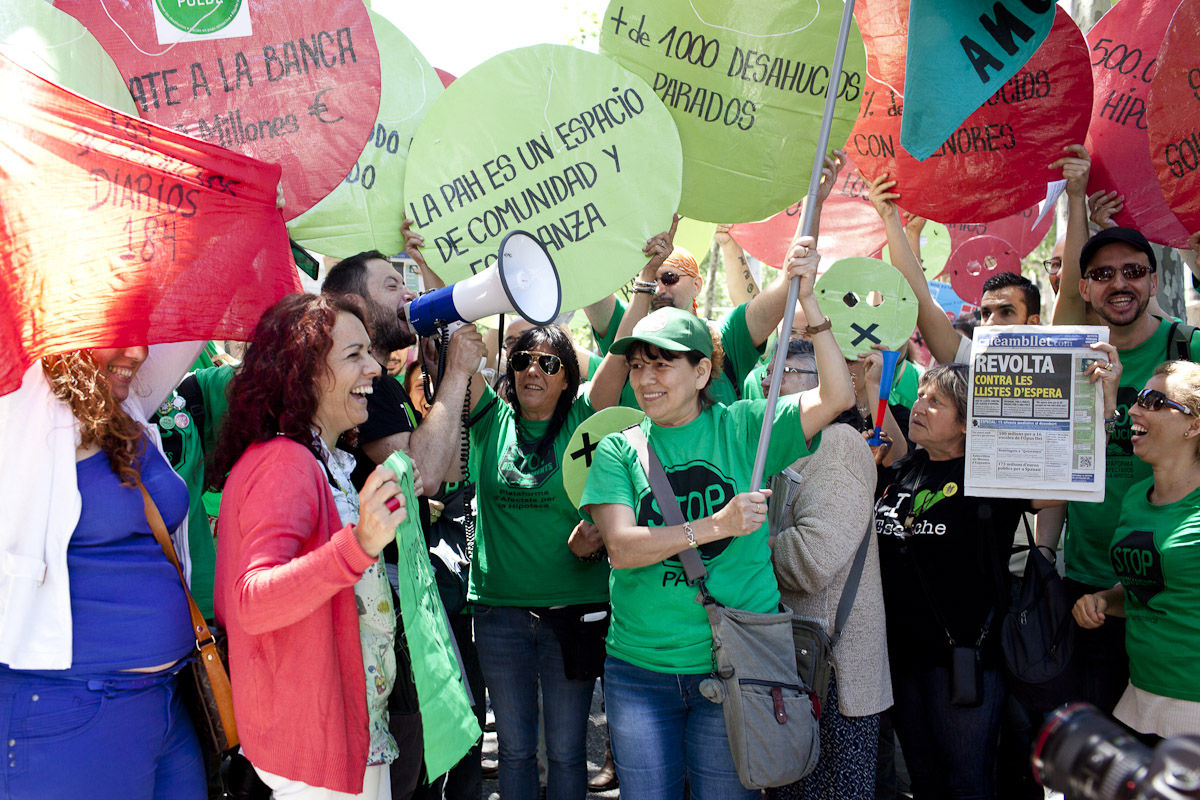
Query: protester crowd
x,y
269,472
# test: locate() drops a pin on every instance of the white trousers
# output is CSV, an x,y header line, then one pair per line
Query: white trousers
x,y
377,785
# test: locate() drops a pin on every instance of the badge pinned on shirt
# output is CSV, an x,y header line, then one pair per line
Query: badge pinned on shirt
x,y
167,423
950,489
182,420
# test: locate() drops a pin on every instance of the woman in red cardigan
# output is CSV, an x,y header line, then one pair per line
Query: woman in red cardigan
x,y
299,585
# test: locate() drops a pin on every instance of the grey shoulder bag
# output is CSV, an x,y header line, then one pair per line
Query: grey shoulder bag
x,y
769,714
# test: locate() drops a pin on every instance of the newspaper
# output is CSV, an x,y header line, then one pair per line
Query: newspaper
x,y
1035,422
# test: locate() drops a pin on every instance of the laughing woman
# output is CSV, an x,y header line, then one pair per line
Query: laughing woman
x,y
1156,554
664,731
300,584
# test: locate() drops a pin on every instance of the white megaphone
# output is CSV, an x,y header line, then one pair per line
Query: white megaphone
x,y
523,280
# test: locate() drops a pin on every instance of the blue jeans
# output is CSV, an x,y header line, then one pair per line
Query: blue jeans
x,y
102,739
950,750
517,651
662,730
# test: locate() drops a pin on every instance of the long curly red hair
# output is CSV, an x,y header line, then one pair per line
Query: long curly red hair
x,y
274,391
77,380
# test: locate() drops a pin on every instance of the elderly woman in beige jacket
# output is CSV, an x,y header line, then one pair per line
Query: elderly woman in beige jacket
x,y
820,511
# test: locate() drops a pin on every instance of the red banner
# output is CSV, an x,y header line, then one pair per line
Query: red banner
x,y
116,231
995,164
1124,46
295,84
1174,111
849,225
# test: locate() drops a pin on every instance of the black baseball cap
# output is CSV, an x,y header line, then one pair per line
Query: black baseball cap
x,y
1112,236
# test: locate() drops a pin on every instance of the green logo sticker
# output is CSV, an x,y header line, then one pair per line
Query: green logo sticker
x,y
199,16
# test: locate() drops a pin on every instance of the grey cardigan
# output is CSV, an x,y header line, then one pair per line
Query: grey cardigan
x,y
819,512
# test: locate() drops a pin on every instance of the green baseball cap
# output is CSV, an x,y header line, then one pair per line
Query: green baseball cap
x,y
669,329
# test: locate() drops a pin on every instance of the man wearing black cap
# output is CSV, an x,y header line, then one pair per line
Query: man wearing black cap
x,y
1119,280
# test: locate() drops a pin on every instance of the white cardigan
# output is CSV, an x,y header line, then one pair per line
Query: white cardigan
x,y
40,504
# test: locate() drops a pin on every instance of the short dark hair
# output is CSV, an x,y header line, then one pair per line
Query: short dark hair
x,y
801,348
1002,280
349,276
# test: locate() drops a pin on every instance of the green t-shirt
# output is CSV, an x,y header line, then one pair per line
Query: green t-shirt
x,y
524,518
1090,525
186,450
741,354
657,623
904,385
1156,555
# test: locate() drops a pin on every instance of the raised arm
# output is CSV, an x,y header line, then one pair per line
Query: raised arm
x,y
765,312
834,393
1069,307
739,280
939,334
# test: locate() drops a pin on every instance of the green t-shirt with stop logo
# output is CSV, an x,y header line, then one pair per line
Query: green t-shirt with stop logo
x,y
1156,555
657,623
524,516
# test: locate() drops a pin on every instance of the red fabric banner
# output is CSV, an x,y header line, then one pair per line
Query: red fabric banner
x,y
995,164
1124,45
115,231
295,84
1174,110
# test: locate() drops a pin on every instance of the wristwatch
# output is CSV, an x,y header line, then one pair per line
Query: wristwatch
x,y
813,330
1110,423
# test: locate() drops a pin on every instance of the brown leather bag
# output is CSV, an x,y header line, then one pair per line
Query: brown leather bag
x,y
205,684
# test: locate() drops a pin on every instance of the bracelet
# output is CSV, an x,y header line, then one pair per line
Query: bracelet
x,y
691,537
593,558
813,330
1110,423
638,283
640,290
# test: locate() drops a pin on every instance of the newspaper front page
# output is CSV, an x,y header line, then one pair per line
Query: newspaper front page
x,y
1035,422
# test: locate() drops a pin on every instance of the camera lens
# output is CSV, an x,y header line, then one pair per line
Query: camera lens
x,y
1086,756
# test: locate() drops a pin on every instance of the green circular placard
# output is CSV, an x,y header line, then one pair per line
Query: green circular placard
x,y
587,436
844,292
746,84
935,249
364,212
555,141
199,16
53,45
695,237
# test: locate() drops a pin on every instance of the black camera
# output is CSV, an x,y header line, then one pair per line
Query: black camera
x,y
1087,756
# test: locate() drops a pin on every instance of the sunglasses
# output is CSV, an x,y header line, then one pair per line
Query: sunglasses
x,y
669,278
1154,400
1053,266
792,371
547,363
1132,272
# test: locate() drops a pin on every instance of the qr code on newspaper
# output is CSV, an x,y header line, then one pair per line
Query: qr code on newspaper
x,y
1085,462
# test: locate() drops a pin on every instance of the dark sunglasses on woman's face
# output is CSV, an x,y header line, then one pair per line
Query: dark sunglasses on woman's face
x,y
547,363
1132,272
1154,400
669,278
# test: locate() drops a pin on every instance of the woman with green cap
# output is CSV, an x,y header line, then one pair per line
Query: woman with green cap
x,y
659,643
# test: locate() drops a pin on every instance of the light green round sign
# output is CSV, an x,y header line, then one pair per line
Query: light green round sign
x,y
197,16
582,447
695,237
846,292
935,249
555,141
366,209
53,45
746,84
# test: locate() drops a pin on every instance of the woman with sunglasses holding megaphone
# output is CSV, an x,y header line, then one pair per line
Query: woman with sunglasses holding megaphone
x,y
539,578
1155,552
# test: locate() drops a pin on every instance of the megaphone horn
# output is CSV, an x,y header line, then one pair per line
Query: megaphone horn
x,y
523,279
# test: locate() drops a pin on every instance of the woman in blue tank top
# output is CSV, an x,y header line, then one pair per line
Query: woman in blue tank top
x,y
111,724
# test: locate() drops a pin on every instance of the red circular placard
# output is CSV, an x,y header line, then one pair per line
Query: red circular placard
x,y
996,164
1175,116
975,260
300,89
849,225
1124,52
